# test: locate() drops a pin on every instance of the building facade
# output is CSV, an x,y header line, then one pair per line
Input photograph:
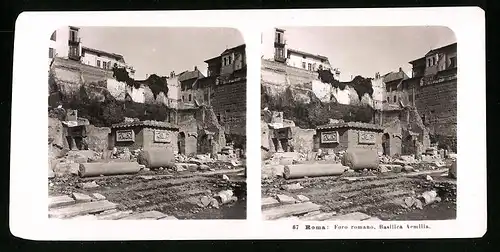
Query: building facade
x,y
188,87
396,92
65,43
104,60
435,78
283,54
228,93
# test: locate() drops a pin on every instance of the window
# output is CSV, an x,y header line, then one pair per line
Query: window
x,y
453,62
53,36
189,97
433,61
280,53
98,63
73,51
395,99
73,35
388,100
279,38
183,99
104,64
51,53
229,60
304,65
309,66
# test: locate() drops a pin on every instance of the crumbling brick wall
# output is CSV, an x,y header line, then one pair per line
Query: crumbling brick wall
x,y
437,103
229,105
207,121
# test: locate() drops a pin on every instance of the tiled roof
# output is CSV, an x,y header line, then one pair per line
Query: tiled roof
x,y
243,46
392,76
119,57
308,54
188,75
434,51
358,125
152,124
234,49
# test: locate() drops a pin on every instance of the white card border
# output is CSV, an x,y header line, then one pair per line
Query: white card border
x,y
28,184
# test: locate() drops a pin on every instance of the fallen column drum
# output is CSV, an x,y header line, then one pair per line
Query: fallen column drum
x,y
156,158
313,170
359,159
113,168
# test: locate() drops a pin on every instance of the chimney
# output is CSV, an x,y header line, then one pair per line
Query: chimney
x,y
195,68
400,69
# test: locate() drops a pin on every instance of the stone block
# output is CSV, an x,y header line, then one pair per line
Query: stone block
x,y
396,168
58,201
268,201
289,187
62,169
98,196
408,168
80,197
302,198
285,199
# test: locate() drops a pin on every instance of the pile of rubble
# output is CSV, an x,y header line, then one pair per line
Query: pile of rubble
x,y
420,201
70,162
285,158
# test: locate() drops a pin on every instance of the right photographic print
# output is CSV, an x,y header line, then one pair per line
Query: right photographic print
x,y
358,123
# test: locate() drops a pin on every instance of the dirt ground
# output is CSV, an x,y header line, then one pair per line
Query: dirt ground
x,y
172,193
379,195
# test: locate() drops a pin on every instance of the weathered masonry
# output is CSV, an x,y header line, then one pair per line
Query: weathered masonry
x,y
145,134
436,95
341,136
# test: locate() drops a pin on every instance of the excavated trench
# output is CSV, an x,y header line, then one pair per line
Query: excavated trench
x,y
378,196
170,195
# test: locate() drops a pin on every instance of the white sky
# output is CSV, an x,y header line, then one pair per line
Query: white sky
x,y
162,50
367,50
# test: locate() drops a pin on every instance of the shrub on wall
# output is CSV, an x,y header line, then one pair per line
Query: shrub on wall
x,y
360,84
111,111
316,113
156,83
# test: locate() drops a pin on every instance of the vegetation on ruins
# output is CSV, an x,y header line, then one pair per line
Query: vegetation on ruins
x,y
110,111
360,84
156,83
316,113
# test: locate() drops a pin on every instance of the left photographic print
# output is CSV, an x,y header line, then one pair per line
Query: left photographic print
x,y
146,123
